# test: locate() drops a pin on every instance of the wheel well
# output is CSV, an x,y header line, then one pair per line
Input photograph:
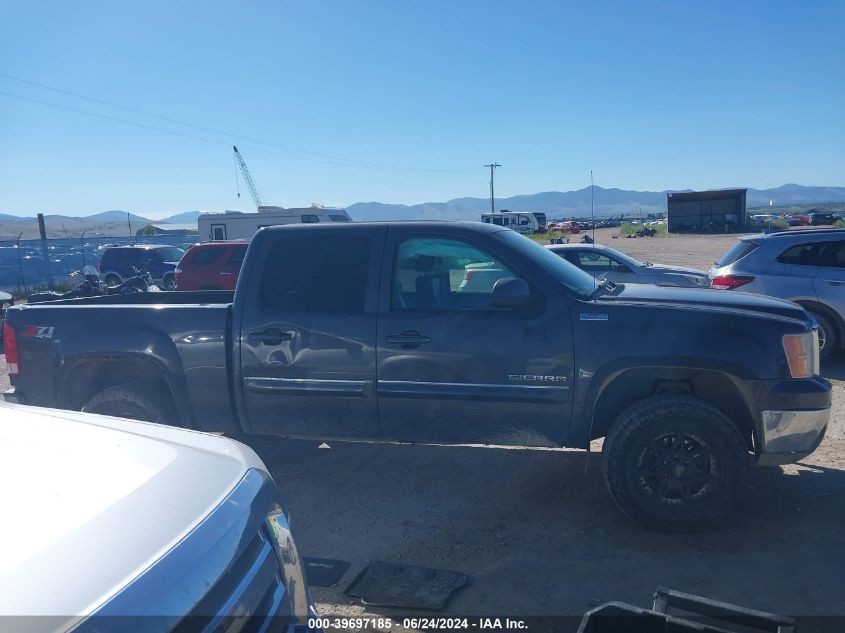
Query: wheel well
x,y
90,378
831,314
635,384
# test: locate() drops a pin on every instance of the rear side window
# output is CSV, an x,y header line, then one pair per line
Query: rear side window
x,y
803,254
237,256
338,218
321,273
310,218
114,257
205,256
737,252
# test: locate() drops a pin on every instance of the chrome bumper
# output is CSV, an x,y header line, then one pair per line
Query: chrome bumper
x,y
788,436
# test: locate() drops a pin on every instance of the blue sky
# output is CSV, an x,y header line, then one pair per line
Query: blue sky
x,y
405,101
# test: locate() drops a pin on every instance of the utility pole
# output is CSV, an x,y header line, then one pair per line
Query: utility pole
x,y
492,166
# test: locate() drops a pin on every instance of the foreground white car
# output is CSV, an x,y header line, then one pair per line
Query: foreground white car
x,y
106,517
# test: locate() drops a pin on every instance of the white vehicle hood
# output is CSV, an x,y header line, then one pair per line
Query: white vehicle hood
x,y
89,502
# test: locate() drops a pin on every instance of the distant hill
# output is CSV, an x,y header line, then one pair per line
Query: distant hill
x,y
117,216
556,204
186,217
577,203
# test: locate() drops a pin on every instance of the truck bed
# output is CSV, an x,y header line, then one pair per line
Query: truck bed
x,y
83,343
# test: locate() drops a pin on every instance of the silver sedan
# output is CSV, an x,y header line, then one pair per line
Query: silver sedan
x,y
608,263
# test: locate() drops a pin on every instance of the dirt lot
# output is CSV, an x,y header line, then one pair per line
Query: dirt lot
x,y
538,536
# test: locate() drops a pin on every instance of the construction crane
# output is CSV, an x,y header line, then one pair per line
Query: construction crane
x,y
250,183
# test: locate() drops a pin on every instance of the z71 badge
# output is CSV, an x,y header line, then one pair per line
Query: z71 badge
x,y
38,331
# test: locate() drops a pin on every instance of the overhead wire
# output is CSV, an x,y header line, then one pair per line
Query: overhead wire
x,y
307,154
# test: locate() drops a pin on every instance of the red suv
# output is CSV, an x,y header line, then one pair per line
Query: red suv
x,y
211,266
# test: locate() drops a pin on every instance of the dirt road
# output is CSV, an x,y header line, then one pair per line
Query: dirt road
x,y
538,536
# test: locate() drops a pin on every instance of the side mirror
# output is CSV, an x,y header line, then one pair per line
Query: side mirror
x,y
511,292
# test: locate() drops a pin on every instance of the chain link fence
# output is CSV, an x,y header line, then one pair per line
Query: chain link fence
x,y
28,266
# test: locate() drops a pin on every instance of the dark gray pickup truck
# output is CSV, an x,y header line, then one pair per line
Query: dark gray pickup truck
x,y
450,333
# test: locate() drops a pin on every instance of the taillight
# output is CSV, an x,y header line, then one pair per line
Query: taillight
x,y
469,274
177,270
729,282
10,348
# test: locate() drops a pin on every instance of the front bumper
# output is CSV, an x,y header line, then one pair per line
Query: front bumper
x,y
788,436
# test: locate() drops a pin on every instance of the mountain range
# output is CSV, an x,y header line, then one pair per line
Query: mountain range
x,y
557,204
577,203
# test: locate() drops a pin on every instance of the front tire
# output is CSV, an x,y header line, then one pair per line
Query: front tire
x,y
112,281
674,463
145,401
168,283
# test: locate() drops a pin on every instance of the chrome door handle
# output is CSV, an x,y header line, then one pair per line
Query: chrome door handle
x,y
834,282
224,273
270,336
409,339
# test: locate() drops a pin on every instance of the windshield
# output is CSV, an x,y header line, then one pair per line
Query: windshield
x,y
575,279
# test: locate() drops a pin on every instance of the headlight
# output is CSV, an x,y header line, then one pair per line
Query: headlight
x,y
292,566
802,353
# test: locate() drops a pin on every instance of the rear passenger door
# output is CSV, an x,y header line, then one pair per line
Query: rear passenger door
x,y
308,333
454,368
791,275
228,273
829,281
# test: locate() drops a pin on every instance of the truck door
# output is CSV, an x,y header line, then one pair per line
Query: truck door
x,y
451,366
307,337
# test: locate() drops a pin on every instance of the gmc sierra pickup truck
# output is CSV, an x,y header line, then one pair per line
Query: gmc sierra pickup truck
x,y
450,333
114,526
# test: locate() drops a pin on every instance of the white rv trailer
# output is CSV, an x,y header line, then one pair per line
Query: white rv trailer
x,y
234,225
520,221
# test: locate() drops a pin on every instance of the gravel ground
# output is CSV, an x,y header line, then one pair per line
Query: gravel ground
x,y
536,531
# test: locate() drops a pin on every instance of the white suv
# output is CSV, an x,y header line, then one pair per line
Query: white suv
x,y
806,266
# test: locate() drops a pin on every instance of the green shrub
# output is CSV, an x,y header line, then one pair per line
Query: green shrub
x,y
628,229
767,225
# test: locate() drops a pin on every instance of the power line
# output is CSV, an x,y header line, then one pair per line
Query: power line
x,y
335,160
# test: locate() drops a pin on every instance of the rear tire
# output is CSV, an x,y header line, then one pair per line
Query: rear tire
x,y
828,340
145,401
674,463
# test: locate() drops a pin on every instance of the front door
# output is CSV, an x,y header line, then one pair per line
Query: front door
x,y
454,368
829,282
308,334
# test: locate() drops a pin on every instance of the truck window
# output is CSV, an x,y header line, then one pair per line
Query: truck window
x,y
433,273
326,273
